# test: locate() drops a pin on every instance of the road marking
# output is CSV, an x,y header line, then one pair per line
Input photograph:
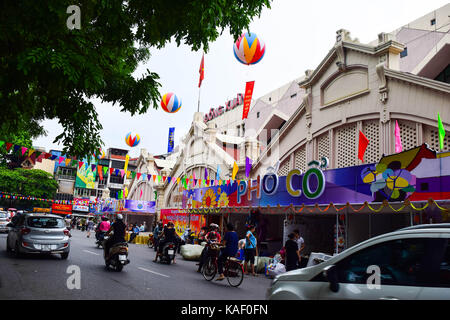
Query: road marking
x,y
97,254
160,274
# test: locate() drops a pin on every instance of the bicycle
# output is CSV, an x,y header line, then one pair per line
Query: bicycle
x,y
233,270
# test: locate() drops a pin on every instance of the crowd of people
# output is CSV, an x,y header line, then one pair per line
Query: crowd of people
x,y
245,249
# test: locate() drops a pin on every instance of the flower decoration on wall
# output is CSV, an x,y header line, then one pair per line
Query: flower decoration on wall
x,y
223,200
209,199
389,182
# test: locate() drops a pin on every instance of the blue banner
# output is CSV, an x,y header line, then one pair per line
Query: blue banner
x,y
171,135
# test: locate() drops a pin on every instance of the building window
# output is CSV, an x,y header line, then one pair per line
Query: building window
x,y
238,131
257,114
433,22
444,76
404,53
270,98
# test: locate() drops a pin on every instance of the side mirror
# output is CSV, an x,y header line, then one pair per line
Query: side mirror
x,y
330,273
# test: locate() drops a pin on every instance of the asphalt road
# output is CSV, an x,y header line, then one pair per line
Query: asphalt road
x,y
46,277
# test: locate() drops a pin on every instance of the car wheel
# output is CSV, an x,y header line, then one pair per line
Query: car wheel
x,y
64,255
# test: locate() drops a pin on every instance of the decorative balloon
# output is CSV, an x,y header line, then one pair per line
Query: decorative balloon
x,y
170,103
132,139
249,49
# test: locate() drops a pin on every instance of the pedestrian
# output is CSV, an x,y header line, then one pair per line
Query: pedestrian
x,y
300,243
292,252
90,227
230,241
135,233
250,250
141,228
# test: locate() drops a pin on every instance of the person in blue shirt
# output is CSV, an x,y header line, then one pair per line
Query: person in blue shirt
x,y
250,250
230,241
134,234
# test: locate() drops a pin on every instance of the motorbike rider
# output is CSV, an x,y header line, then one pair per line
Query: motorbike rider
x,y
168,235
118,228
102,228
156,233
213,236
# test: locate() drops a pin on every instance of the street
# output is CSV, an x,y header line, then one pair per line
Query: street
x,y
45,277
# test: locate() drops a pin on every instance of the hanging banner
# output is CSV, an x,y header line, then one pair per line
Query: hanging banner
x,y
248,98
140,206
181,220
171,136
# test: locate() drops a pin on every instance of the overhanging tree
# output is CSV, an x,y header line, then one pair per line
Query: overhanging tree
x,y
48,71
35,183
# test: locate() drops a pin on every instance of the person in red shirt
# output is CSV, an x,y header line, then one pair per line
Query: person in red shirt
x,y
213,236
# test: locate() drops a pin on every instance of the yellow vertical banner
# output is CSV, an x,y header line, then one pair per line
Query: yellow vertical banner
x,y
126,163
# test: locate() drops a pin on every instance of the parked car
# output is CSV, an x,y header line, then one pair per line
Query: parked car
x,y
38,233
4,220
411,263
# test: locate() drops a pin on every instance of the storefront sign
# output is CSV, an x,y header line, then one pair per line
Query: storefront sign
x,y
415,174
140,206
229,105
62,208
81,205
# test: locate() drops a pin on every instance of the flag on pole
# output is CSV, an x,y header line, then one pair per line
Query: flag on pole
x,y
218,172
363,142
247,98
441,132
202,70
398,140
235,170
248,166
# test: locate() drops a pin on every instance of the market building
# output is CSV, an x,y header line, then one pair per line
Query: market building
x,y
356,87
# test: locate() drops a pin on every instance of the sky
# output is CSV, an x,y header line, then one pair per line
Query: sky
x,y
298,35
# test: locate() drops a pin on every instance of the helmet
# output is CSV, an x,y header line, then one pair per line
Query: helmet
x,y
213,225
119,216
104,218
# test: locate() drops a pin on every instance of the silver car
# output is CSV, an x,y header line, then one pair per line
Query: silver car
x,y
38,233
4,220
409,264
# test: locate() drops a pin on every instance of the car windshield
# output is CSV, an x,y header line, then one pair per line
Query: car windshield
x,y
3,215
45,222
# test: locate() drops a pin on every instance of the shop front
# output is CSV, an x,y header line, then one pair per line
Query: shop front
x,y
333,209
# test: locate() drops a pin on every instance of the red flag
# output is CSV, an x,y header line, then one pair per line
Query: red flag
x,y
248,98
202,70
363,142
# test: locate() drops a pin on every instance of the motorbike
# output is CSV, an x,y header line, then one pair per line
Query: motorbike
x,y
118,255
168,252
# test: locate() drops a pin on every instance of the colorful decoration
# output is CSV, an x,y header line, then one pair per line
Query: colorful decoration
x,y
170,103
249,49
102,154
132,139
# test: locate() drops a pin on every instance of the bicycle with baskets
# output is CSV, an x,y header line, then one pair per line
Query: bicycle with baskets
x,y
233,269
